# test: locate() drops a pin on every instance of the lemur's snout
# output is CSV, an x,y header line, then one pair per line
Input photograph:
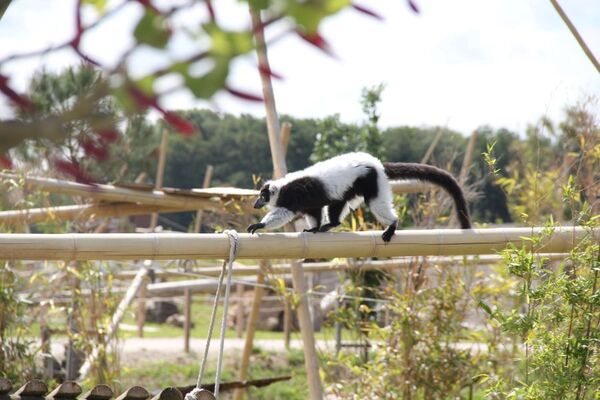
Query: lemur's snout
x,y
259,203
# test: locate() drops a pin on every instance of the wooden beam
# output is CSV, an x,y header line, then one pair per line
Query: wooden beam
x,y
170,246
81,212
160,172
116,319
119,194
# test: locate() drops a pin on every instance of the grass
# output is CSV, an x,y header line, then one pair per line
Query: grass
x,y
200,317
263,365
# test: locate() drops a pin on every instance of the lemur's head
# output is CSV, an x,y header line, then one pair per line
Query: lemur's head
x,y
268,195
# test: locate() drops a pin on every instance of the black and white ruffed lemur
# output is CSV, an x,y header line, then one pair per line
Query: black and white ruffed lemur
x,y
342,183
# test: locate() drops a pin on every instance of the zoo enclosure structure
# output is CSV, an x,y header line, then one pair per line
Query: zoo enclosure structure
x,y
440,242
163,246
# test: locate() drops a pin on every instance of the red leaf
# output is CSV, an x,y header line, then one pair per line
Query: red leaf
x,y
142,99
367,11
244,95
73,169
109,135
93,149
318,41
182,125
5,162
265,69
413,6
21,101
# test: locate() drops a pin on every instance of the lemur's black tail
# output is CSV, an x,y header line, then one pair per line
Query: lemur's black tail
x,y
437,176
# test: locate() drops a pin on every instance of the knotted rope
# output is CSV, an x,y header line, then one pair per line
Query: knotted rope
x,y
196,393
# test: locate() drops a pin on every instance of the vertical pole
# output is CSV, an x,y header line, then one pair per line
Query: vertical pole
x,y
286,129
251,329
432,146
141,308
206,184
239,316
187,294
160,171
279,170
287,321
187,321
464,169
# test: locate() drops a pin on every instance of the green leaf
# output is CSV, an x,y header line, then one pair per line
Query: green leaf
x,y
99,5
228,43
206,86
152,30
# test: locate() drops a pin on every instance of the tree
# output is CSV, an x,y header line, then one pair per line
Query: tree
x,y
371,97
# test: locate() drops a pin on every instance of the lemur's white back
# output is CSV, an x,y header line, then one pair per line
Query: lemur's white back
x,y
338,173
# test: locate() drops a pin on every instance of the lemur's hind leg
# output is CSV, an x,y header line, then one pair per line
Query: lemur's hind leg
x,y
383,210
313,218
335,210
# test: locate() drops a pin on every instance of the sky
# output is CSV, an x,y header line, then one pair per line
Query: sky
x,y
460,63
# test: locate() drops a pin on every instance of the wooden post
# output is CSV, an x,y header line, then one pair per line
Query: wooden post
x,y
187,294
286,129
287,321
464,170
432,146
239,316
279,170
160,172
187,321
116,319
251,329
141,308
206,184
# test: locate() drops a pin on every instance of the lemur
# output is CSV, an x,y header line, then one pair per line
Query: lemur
x,y
342,183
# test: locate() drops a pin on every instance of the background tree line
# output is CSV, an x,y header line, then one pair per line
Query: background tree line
x,y
237,146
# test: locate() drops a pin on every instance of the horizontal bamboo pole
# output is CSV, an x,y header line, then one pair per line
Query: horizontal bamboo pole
x,y
167,246
82,212
410,186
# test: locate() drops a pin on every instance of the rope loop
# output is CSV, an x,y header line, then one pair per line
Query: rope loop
x,y
198,393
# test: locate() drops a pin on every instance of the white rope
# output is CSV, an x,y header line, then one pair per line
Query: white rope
x,y
233,246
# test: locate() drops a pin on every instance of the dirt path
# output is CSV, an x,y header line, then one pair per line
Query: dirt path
x,y
135,351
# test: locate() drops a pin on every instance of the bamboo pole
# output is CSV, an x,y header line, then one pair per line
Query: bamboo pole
x,y
466,165
464,170
432,146
206,184
160,172
187,295
286,130
187,319
366,265
141,307
239,312
116,319
170,246
410,186
251,330
576,34
119,194
279,170
83,212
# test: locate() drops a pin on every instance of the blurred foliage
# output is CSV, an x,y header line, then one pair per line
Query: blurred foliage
x,y
17,349
525,328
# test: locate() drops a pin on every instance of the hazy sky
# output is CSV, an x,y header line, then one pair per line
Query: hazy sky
x,y
460,63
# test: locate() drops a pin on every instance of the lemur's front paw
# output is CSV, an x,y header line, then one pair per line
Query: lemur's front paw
x,y
254,227
312,230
